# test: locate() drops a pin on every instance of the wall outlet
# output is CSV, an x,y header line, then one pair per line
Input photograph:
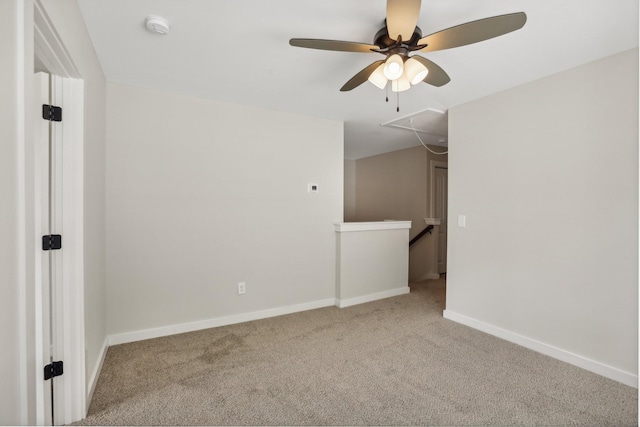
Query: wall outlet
x,y
242,288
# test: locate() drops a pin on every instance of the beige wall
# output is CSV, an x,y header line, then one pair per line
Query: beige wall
x,y
396,186
10,313
349,190
202,195
547,176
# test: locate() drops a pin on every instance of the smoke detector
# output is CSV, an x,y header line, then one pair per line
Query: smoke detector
x,y
157,24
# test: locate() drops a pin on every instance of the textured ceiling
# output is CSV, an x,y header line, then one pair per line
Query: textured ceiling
x,y
237,51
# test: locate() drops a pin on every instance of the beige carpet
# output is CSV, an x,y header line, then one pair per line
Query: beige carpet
x,y
389,362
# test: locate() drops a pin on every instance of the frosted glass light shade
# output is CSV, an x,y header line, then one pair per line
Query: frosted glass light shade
x,y
415,71
401,84
378,78
393,67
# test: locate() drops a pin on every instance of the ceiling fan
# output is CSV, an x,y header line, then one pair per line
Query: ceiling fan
x,y
400,37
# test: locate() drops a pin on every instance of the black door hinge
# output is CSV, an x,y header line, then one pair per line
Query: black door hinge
x,y
53,370
51,112
51,242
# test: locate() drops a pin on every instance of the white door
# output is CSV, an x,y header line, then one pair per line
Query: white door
x,y
440,208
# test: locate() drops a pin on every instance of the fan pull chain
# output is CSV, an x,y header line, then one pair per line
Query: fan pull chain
x,y
386,99
398,101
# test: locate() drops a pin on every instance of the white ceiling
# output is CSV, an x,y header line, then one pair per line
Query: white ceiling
x,y
238,51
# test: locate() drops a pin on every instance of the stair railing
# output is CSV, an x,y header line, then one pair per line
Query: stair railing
x,y
427,229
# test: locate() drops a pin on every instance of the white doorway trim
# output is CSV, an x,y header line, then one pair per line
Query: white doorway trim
x,y
49,48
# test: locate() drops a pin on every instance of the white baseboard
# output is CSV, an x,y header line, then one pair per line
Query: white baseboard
x,y
96,372
599,368
215,322
371,297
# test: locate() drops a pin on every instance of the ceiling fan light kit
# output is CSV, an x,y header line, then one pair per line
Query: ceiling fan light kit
x,y
378,78
393,67
415,71
400,37
401,84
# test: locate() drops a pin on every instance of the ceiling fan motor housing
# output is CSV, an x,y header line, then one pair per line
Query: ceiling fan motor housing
x,y
383,40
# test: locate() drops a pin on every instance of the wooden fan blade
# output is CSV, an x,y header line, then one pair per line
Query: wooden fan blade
x,y
473,32
336,45
437,76
402,18
361,77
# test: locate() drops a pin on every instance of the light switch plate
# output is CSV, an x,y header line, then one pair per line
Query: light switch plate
x,y
462,221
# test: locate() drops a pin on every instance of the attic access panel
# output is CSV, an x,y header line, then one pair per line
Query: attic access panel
x,y
430,122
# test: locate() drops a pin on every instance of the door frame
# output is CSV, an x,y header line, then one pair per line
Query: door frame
x,y
39,37
433,164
